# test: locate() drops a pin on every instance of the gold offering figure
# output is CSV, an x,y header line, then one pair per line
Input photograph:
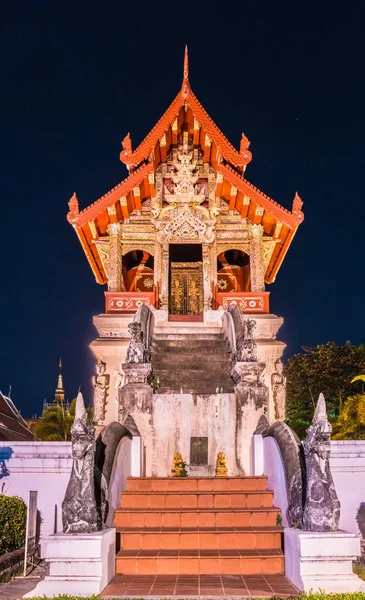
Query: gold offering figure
x,y
221,469
178,466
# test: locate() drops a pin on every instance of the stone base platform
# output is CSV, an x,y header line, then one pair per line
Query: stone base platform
x,y
79,564
184,586
322,561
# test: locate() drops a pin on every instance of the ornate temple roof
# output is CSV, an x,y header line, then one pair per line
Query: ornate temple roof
x,y
185,114
13,428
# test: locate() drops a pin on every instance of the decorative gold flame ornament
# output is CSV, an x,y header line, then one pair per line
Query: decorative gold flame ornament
x,y
221,469
178,466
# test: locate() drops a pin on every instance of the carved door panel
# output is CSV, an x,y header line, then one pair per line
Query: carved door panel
x,y
186,288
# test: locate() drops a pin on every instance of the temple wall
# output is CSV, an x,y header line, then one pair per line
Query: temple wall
x,y
178,417
348,472
41,466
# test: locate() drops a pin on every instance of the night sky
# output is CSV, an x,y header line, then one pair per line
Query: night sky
x,y
75,78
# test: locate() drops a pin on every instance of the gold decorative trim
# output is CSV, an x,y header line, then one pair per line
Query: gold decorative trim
x,y
186,265
92,227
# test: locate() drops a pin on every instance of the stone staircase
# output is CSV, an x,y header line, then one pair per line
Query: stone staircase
x,y
207,525
192,357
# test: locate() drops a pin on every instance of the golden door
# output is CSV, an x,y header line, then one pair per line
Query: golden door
x,y
186,288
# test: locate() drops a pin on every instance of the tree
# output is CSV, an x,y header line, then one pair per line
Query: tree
x,y
350,424
55,423
327,368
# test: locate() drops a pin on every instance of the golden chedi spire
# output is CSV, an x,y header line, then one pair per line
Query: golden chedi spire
x,y
59,397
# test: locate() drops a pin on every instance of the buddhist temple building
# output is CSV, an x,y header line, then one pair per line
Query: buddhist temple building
x,y
188,235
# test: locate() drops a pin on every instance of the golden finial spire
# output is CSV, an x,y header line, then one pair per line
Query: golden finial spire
x,y
185,88
60,392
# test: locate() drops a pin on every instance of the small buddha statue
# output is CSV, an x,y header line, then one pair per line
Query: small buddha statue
x,y
221,469
178,466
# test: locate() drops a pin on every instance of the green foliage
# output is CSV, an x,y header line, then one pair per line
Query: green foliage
x,y
327,368
56,422
184,472
359,570
13,517
350,424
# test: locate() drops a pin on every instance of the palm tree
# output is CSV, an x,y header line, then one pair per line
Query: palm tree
x,y
55,423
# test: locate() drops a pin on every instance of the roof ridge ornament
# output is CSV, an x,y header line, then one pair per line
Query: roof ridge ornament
x,y
185,88
73,205
127,148
297,206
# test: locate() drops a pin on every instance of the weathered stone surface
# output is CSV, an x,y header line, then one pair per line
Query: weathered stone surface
x,y
101,383
140,331
106,446
135,397
262,426
79,510
246,347
252,397
294,467
136,372
322,507
136,348
278,386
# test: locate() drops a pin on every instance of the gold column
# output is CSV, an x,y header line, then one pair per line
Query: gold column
x,y
257,269
164,290
115,258
207,277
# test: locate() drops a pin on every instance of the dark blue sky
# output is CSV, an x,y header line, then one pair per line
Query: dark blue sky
x,y
76,77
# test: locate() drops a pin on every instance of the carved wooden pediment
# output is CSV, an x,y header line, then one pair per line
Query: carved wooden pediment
x,y
187,225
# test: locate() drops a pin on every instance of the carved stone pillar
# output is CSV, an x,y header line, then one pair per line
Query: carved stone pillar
x,y
257,269
252,397
115,258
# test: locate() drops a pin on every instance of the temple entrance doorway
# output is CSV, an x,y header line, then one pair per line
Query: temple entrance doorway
x,y
186,279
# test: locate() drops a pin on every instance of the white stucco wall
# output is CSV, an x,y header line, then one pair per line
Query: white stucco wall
x,y
348,471
46,467
41,466
274,469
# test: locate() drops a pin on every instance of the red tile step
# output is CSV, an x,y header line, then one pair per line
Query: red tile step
x,y
195,484
200,562
223,538
198,526
154,517
196,500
